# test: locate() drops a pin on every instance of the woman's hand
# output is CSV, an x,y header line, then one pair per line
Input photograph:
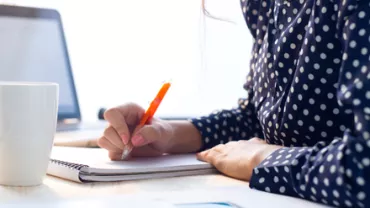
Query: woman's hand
x,y
238,159
153,139
150,140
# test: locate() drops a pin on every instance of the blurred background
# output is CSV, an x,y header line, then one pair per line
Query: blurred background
x,y
122,50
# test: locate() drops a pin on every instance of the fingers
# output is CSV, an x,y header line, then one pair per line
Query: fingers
x,y
132,113
211,154
124,128
213,157
117,120
219,147
202,155
106,144
112,142
145,135
112,136
155,131
124,119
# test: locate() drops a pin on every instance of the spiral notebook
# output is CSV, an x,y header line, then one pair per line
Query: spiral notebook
x,y
93,165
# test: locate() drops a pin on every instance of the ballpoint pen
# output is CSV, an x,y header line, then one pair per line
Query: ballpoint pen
x,y
149,113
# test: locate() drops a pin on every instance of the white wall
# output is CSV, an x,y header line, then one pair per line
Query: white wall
x,y
121,50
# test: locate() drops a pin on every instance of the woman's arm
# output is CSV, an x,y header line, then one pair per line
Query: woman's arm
x,y
218,128
198,134
186,138
336,173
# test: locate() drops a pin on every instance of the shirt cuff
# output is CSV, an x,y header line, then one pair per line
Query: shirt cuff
x,y
274,174
203,125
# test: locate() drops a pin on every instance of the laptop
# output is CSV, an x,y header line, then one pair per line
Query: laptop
x,y
33,48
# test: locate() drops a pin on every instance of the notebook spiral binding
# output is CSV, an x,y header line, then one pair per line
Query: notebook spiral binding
x,y
75,166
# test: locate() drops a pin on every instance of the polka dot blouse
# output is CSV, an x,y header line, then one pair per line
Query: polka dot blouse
x,y
308,89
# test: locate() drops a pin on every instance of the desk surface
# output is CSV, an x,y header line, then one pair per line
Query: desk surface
x,y
174,190
56,188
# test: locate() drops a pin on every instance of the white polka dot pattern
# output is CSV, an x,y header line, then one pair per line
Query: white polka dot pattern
x,y
309,91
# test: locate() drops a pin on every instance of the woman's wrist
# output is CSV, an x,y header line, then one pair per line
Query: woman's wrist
x,y
263,153
185,138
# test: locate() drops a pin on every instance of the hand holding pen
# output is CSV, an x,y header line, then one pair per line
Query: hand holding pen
x,y
134,131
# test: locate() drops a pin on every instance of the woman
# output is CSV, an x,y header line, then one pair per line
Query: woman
x,y
303,129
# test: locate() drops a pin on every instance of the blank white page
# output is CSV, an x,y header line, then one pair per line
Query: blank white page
x,y
99,163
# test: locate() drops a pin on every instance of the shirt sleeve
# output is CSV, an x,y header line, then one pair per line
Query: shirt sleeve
x,y
335,173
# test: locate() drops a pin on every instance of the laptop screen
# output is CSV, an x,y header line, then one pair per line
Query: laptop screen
x,y
33,49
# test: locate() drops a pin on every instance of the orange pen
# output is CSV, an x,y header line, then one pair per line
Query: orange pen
x,y
149,113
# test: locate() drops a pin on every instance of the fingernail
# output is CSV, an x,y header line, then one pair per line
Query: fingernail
x,y
138,140
124,139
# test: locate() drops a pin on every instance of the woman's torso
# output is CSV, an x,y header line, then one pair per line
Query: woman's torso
x,y
295,70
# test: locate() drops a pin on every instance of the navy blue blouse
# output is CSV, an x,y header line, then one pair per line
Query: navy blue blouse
x,y
308,89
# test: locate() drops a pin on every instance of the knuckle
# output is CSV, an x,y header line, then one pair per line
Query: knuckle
x,y
108,114
158,126
220,145
152,131
158,129
163,129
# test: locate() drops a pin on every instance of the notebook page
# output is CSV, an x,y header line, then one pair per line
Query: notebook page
x,y
99,163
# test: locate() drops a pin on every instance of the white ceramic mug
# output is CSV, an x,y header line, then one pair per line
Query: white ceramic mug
x,y
28,117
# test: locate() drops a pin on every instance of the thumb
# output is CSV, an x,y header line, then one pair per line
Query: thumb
x,y
155,131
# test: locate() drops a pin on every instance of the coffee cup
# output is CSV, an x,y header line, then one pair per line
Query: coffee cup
x,y
28,117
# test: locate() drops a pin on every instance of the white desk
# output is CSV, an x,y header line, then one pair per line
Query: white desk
x,y
176,190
